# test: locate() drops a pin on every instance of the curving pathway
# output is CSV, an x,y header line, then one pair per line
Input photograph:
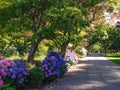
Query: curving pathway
x,y
92,73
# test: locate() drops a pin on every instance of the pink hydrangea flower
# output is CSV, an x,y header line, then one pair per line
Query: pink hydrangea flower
x,y
46,75
3,73
25,73
50,73
7,63
1,82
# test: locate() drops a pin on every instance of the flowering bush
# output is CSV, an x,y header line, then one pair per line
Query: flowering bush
x,y
53,65
71,57
15,71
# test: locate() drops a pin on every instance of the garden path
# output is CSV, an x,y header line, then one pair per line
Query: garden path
x,y
92,73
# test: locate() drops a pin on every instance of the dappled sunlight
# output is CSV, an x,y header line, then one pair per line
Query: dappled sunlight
x,y
83,65
73,69
112,81
94,58
87,86
79,67
92,73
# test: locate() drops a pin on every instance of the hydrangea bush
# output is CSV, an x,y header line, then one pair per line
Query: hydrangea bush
x,y
71,57
12,71
53,65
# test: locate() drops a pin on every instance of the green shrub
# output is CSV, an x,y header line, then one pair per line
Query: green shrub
x,y
50,79
7,87
36,77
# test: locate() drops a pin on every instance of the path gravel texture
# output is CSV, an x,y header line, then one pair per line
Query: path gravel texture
x,y
92,73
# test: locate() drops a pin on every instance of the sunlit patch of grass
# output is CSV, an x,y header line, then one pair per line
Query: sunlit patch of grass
x,y
24,57
115,59
40,57
17,57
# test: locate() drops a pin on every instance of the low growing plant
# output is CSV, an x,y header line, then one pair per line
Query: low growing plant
x,y
36,77
7,87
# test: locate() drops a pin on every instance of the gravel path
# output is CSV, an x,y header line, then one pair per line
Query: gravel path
x,y
92,73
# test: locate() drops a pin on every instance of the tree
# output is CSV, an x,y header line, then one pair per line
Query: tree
x,y
65,21
115,40
29,15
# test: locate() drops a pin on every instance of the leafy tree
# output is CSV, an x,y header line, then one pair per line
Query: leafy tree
x,y
25,15
115,39
65,21
107,36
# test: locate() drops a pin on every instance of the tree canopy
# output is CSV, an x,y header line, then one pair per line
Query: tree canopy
x,y
26,23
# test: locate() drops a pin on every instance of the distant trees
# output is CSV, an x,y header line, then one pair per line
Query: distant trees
x,y
107,37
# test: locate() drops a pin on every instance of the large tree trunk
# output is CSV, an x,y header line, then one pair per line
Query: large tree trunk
x,y
63,49
33,49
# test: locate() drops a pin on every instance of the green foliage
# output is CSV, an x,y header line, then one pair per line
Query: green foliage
x,y
7,87
65,22
78,50
95,48
65,17
104,35
50,79
115,39
70,63
113,3
76,40
107,36
36,77
4,41
93,2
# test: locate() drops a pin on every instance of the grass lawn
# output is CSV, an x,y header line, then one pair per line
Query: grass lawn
x,y
115,59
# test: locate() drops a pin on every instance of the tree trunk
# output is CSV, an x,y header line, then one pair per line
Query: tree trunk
x,y
105,51
33,49
63,49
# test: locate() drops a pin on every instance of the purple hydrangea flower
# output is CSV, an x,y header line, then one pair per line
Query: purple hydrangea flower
x,y
20,80
53,64
13,76
1,82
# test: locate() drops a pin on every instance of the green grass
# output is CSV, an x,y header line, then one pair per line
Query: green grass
x,y
37,57
115,59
